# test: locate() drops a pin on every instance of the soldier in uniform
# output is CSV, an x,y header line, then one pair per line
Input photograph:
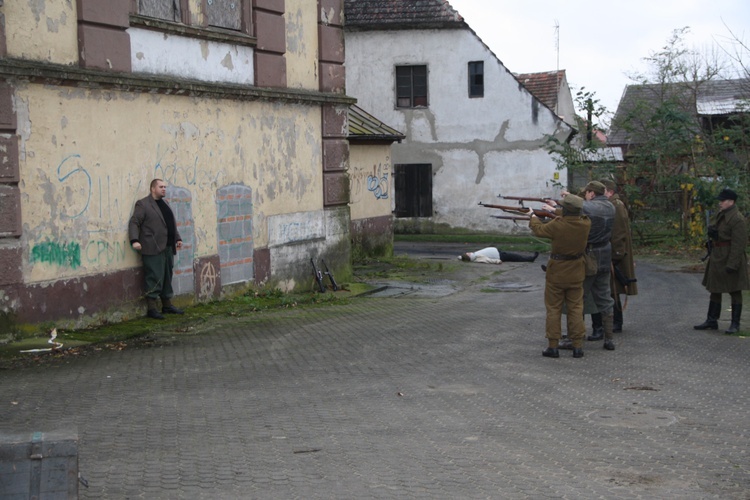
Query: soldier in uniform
x,y
622,262
565,273
726,271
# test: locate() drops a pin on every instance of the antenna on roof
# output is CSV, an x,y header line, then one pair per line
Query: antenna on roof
x,y
557,43
557,69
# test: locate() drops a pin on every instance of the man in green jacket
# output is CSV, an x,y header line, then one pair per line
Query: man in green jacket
x,y
726,271
565,273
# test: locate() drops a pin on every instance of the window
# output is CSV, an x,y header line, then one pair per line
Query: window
x,y
411,86
413,190
224,13
232,15
169,10
476,79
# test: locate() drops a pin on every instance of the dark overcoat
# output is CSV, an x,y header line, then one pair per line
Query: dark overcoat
x,y
622,247
728,254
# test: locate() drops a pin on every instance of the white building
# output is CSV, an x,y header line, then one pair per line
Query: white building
x,y
473,131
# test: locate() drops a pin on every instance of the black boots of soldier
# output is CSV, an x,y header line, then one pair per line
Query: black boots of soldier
x,y
712,318
514,257
734,327
597,327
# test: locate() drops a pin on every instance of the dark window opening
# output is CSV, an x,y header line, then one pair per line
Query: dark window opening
x,y
476,79
411,86
413,190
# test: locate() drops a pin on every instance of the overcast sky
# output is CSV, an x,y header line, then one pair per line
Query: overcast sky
x,y
599,42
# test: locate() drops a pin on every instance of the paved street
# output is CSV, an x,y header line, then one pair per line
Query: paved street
x,y
424,391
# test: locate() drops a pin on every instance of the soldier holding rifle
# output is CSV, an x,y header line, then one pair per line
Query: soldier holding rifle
x,y
565,273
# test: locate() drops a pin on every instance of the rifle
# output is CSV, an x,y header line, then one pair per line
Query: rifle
x,y
621,278
330,276
520,210
709,247
521,199
511,217
318,276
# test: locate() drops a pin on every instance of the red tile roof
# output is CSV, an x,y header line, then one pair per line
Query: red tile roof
x,y
544,86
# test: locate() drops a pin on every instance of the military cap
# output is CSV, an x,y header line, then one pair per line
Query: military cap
x,y
595,186
572,204
609,184
727,194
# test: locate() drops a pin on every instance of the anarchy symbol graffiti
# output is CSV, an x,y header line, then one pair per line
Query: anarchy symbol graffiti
x,y
208,279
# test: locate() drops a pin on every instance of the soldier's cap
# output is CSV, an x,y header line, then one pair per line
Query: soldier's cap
x,y
727,194
572,203
609,184
595,186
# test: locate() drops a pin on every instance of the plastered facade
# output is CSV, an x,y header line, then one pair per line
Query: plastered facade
x,y
478,147
97,100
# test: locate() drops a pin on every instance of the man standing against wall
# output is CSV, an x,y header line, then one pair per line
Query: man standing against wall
x,y
153,232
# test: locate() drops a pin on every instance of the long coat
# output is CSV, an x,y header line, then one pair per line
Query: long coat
x,y
728,253
147,225
622,247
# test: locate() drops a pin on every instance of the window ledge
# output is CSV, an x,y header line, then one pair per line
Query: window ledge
x,y
213,33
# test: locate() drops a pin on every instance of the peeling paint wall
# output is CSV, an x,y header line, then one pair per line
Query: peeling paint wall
x,y
371,181
159,53
87,156
41,30
478,147
96,101
301,44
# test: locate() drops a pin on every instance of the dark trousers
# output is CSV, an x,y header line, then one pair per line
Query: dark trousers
x,y
158,270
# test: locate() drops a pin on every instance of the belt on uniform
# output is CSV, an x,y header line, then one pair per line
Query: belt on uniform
x,y
722,243
558,256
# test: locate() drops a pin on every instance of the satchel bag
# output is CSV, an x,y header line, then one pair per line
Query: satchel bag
x,y
592,263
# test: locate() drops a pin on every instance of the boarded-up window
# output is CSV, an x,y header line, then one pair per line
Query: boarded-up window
x,y
413,189
411,86
225,13
168,10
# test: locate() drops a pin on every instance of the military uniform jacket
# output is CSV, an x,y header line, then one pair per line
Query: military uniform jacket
x,y
622,246
147,225
569,235
602,215
728,252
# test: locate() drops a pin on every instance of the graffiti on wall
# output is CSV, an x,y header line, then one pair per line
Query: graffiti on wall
x,y
66,254
375,182
191,175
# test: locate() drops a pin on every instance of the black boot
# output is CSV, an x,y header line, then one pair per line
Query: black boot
x,y
597,327
514,257
152,311
617,320
712,319
734,327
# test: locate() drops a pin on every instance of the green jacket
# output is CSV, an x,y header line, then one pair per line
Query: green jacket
x,y
569,235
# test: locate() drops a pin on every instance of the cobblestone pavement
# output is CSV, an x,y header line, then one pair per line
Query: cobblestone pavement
x,y
414,395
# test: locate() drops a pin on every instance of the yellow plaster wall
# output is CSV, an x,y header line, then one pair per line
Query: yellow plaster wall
x,y
42,30
86,156
301,44
371,182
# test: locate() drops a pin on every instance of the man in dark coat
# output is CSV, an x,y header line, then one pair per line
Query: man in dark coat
x,y
565,273
153,232
726,271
